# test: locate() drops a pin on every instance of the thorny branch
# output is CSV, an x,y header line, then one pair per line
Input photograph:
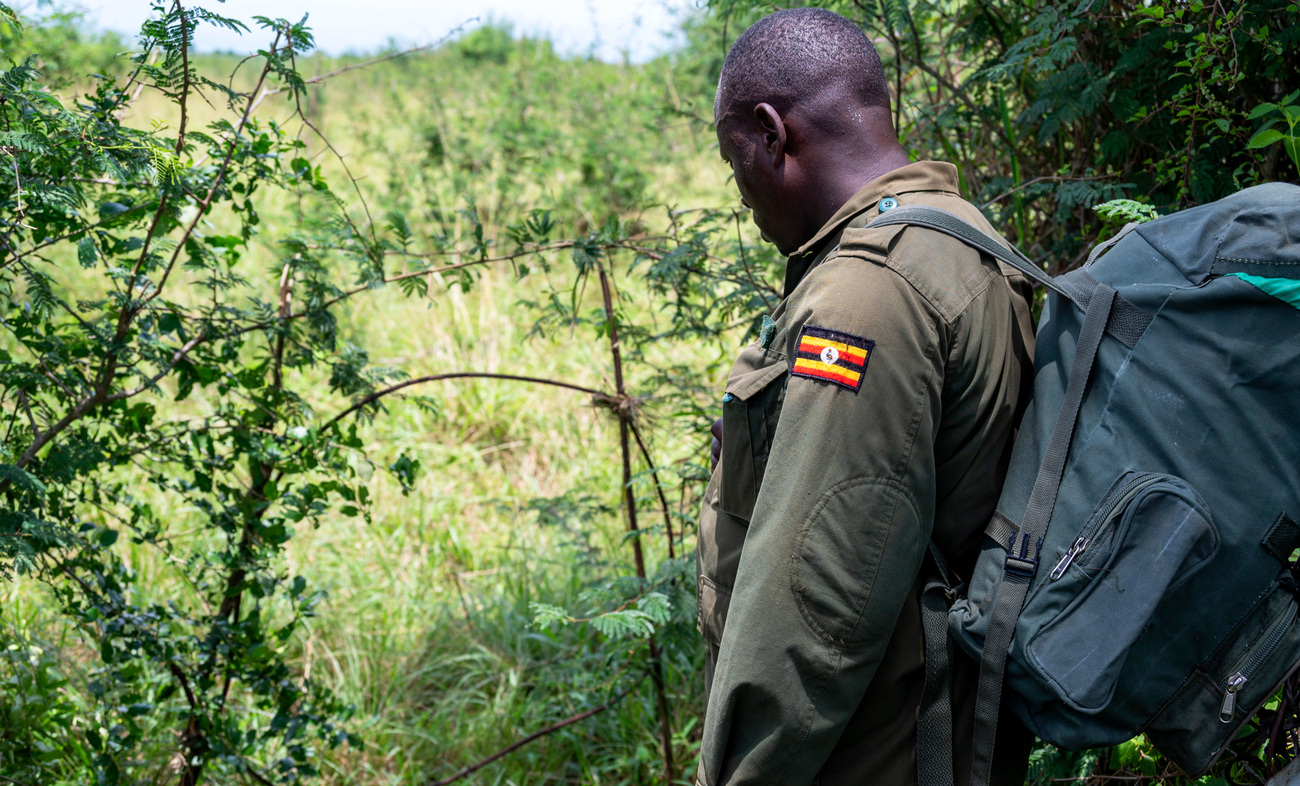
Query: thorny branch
x,y
554,727
626,412
373,397
376,61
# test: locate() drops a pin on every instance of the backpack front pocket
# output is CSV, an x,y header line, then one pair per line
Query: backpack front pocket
x,y
1150,533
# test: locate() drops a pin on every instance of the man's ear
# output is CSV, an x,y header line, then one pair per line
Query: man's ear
x,y
772,128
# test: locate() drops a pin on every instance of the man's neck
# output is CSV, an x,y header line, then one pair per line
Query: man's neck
x,y
849,173
841,183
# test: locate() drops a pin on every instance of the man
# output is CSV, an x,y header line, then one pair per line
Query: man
x,y
874,413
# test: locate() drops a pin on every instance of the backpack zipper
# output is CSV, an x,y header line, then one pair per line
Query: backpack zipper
x,y
1105,513
1079,545
1251,661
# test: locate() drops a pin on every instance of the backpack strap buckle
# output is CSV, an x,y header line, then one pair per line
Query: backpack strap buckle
x,y
1024,564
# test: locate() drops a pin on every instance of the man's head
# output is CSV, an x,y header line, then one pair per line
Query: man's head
x,y
802,116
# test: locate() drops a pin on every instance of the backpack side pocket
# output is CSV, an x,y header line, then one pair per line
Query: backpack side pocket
x,y
1196,725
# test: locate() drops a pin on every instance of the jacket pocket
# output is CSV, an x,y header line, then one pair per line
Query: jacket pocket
x,y
714,600
751,406
1150,533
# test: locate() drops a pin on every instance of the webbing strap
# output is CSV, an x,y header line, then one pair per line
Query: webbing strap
x,y
1043,498
941,564
1022,563
934,762
1103,247
988,694
1127,321
934,719
947,223
1002,529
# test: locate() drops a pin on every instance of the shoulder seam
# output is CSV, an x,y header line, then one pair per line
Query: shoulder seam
x,y
889,263
960,306
884,263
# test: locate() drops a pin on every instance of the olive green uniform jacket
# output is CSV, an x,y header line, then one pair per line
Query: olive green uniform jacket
x,y
838,466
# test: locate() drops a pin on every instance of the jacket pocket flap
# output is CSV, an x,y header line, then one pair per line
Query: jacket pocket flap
x,y
746,384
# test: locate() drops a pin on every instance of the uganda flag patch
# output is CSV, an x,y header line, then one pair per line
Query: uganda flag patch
x,y
832,356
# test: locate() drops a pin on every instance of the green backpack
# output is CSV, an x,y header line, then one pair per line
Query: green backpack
x,y
1137,577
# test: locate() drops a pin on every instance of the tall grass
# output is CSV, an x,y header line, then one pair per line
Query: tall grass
x,y
428,629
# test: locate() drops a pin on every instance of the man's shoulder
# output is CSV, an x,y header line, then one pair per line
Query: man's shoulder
x,y
943,270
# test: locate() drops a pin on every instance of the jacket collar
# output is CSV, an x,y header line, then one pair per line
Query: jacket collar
x,y
937,176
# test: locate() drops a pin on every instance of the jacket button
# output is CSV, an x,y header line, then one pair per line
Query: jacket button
x,y
888,203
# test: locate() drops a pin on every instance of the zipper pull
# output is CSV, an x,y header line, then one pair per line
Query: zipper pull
x,y
1230,697
1075,550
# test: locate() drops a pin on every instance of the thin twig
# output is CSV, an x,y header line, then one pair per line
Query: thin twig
x,y
375,61
184,683
1045,179
12,418
659,488
177,357
356,186
960,94
50,376
417,273
554,727
60,238
185,80
124,104
27,407
462,375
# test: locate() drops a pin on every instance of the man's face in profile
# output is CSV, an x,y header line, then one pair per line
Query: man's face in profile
x,y
761,184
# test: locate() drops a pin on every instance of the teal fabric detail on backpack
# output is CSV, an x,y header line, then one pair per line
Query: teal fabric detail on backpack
x,y
1285,289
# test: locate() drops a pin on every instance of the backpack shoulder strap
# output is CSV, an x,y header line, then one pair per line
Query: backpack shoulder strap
x,y
1127,322
1022,557
949,224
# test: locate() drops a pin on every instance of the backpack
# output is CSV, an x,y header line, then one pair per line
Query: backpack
x,y
1137,575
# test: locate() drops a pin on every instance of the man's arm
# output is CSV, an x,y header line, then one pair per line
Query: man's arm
x,y
837,535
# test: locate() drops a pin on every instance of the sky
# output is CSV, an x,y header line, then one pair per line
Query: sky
x,y
606,28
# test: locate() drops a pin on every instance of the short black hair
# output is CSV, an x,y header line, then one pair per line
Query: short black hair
x,y
796,55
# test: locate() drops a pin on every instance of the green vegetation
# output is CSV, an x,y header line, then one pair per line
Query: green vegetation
x,y
1051,107
326,384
